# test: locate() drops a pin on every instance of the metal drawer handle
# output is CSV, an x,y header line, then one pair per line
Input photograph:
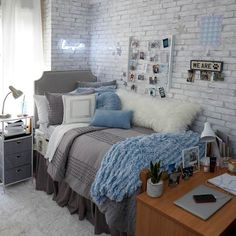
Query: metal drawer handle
x,y
18,171
18,142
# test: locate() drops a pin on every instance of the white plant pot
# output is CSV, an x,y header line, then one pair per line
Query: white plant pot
x,y
154,190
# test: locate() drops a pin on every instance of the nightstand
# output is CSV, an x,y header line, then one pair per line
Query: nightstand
x,y
16,149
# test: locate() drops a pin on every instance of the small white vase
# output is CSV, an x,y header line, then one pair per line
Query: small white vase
x,y
154,190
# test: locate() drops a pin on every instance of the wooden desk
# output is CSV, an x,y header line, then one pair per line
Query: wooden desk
x,y
159,216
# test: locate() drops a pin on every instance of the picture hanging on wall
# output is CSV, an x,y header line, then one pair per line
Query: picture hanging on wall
x,y
190,76
141,77
205,75
150,62
156,69
211,27
132,77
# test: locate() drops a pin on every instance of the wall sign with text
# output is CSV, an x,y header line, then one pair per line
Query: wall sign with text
x,y
214,66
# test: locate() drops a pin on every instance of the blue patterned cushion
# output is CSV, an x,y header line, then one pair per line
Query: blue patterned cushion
x,y
108,101
112,119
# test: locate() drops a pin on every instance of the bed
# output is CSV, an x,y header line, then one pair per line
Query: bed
x,y
70,174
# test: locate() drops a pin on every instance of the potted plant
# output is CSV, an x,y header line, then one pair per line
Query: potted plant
x,y
155,182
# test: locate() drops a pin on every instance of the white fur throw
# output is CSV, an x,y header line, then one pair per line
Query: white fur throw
x,y
161,115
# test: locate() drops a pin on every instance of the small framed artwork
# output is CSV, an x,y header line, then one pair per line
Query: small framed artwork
x,y
191,76
205,75
190,158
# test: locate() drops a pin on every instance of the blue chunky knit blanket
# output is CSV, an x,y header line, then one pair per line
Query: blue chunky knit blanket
x,y
118,176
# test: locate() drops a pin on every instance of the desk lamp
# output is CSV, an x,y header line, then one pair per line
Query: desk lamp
x,y
16,94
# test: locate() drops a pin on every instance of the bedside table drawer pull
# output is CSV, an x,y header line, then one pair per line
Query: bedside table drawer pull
x,y
18,142
18,171
18,156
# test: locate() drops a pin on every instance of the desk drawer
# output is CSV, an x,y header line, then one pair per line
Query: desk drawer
x,y
18,145
17,159
17,174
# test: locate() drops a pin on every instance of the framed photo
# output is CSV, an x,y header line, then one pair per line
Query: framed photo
x,y
205,75
190,158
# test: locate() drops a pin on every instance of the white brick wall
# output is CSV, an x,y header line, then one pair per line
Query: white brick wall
x,y
68,20
101,24
47,30
114,21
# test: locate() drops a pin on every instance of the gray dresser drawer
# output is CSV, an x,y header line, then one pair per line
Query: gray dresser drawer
x,y
18,145
17,174
17,159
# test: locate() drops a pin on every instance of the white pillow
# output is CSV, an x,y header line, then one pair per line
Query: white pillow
x,y
41,103
78,109
161,115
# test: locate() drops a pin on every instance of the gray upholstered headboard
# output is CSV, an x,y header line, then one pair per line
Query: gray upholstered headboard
x,y
60,82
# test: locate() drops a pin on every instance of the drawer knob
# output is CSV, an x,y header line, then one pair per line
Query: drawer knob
x,y
18,171
18,156
18,142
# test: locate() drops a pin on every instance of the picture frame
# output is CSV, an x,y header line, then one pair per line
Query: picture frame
x,y
190,158
205,75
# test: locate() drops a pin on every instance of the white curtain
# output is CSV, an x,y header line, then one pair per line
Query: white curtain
x,y
22,51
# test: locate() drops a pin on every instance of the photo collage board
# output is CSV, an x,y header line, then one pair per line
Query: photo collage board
x,y
150,64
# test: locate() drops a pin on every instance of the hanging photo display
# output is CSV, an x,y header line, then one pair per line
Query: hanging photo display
x,y
150,63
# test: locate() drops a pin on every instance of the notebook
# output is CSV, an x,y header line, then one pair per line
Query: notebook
x,y
226,182
202,210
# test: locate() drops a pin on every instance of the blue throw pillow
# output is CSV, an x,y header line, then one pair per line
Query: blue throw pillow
x,y
112,119
103,89
108,101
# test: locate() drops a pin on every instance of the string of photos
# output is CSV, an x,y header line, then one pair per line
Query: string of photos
x,y
205,70
150,64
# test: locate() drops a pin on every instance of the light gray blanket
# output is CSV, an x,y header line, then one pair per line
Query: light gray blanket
x,y
77,160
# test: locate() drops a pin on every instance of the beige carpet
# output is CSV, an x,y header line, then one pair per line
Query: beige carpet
x,y
27,212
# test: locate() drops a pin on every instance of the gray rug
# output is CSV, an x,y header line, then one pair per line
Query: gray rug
x,y
27,212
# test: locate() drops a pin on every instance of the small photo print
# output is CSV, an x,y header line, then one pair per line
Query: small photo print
x,y
153,80
190,76
141,77
141,67
141,55
165,43
156,69
134,55
205,75
190,158
132,77
133,66
217,76
134,43
154,44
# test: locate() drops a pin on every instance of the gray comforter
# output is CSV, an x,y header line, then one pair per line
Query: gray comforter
x,y
77,160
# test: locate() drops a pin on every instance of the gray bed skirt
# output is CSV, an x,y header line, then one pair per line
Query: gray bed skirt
x,y
65,196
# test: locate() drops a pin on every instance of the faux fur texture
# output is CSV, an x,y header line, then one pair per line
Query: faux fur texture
x,y
161,115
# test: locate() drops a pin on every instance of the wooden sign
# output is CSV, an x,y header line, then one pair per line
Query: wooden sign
x,y
214,66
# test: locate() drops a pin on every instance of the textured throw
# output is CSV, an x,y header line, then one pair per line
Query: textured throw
x,y
118,176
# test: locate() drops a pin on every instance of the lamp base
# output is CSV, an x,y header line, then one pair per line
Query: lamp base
x,y
5,116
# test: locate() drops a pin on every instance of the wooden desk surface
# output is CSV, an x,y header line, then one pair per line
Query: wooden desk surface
x,y
215,225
